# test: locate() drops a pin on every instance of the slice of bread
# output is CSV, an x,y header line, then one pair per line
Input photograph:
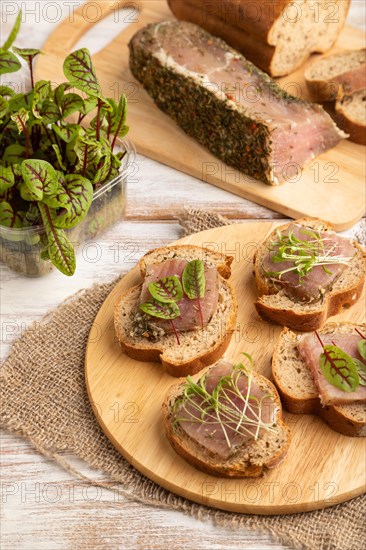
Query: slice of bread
x,y
275,305
298,391
351,115
250,460
345,70
198,348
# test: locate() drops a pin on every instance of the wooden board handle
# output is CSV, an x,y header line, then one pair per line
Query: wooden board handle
x,y
68,33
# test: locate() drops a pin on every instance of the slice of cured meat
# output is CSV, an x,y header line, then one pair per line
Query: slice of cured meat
x,y
222,430
227,104
189,309
310,349
311,287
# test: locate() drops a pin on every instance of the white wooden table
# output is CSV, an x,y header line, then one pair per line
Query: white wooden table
x,y
80,518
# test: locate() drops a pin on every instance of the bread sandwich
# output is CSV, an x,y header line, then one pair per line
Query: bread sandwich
x,y
314,374
305,273
183,312
228,423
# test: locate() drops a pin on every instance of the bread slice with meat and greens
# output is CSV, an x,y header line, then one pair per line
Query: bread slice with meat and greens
x,y
248,455
275,304
299,394
344,71
197,348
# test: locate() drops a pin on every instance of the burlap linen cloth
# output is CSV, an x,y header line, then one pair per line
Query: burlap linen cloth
x,y
43,398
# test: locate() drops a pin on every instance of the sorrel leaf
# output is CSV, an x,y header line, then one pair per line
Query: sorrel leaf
x,y
66,133
361,346
8,63
161,310
4,107
339,369
79,70
70,103
56,148
41,91
104,170
361,369
194,280
26,53
59,249
167,290
88,152
8,217
6,178
13,33
79,192
6,91
39,176
20,118
14,154
59,92
49,112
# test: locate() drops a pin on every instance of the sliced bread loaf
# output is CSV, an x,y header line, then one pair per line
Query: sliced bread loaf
x,y
277,36
197,348
275,304
298,391
351,115
252,456
345,70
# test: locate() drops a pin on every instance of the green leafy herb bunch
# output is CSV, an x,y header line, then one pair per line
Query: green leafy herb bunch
x,y
50,165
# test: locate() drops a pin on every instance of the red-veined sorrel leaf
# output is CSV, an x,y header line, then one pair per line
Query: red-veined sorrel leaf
x,y
79,70
194,280
6,178
79,192
8,217
361,369
14,154
26,53
59,249
4,107
49,112
167,290
6,91
361,346
71,103
88,152
162,311
56,148
66,133
41,91
59,92
39,176
20,118
339,369
13,33
8,63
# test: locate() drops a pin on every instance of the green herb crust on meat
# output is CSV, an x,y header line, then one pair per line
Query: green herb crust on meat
x,y
238,136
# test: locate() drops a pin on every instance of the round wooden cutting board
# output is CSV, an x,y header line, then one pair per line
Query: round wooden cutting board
x,y
322,467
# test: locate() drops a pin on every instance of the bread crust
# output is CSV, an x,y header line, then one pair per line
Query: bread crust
x,y
334,300
194,453
356,130
338,417
158,351
244,24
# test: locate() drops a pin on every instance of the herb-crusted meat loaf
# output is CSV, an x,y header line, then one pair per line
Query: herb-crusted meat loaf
x,y
227,104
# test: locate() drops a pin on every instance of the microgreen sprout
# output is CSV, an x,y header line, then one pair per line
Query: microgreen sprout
x,y
304,254
224,405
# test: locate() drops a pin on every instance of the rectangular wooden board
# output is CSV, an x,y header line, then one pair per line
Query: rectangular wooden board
x,y
332,187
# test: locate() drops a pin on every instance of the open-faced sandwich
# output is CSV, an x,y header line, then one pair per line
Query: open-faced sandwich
x,y
305,273
228,423
183,312
324,373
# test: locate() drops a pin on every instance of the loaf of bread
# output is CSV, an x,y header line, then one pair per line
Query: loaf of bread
x,y
276,36
297,388
344,71
351,115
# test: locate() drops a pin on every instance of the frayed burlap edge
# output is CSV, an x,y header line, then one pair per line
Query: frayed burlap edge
x,y
43,398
